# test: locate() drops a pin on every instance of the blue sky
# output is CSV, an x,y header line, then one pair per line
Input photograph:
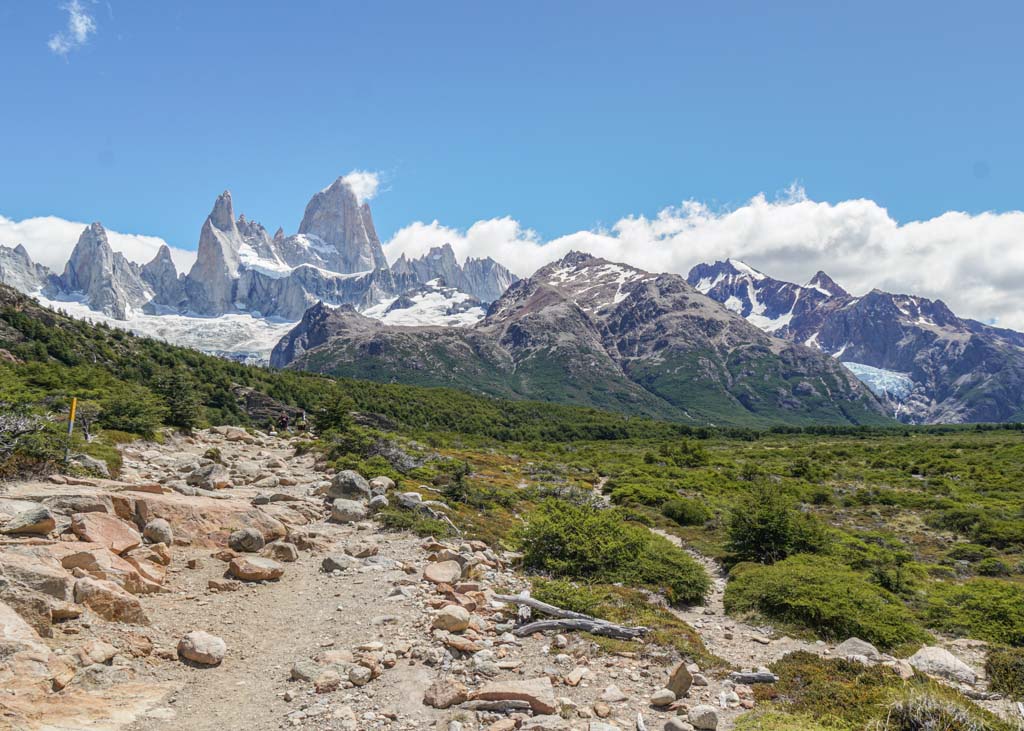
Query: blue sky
x,y
565,116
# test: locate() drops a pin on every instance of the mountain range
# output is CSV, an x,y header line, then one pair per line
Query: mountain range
x,y
590,332
335,257
927,364
726,344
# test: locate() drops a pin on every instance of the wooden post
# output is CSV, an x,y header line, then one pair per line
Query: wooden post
x,y
71,428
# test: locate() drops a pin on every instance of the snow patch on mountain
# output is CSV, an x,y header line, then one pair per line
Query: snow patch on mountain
x,y
433,304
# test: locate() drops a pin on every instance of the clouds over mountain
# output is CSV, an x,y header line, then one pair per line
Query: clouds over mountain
x,y
975,263
50,240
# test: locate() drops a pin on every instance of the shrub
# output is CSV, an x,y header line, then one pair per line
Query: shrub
x,y
765,526
993,567
686,511
985,609
824,596
969,552
583,542
134,410
1004,667
923,712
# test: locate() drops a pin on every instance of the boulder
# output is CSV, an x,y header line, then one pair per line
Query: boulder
x,y
37,520
109,601
942,663
107,530
536,691
246,540
380,485
855,647
158,530
338,562
281,551
445,693
349,484
96,652
452,618
204,520
213,476
377,503
249,568
703,718
202,648
38,572
101,563
91,465
443,572
348,511
680,680
662,698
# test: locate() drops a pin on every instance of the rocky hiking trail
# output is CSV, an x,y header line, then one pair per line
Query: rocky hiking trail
x,y
226,582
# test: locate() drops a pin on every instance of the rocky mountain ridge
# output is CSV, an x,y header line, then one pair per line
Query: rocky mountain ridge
x,y
928,364
590,332
240,269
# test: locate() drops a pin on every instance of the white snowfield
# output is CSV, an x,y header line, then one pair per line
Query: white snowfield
x,y
251,337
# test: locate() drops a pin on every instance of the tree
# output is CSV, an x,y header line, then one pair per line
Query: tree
x,y
765,526
135,410
184,409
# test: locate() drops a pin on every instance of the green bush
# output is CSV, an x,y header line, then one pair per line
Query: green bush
x,y
824,596
765,526
589,544
134,410
686,511
1004,667
922,712
993,567
969,552
982,608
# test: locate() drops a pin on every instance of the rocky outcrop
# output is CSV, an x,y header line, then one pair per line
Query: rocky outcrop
x,y
162,277
103,278
336,219
484,279
19,271
210,283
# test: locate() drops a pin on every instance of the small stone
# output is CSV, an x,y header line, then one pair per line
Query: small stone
x,y
158,530
348,511
281,551
451,619
338,562
445,693
612,694
662,698
246,540
255,569
703,717
443,572
680,680
202,648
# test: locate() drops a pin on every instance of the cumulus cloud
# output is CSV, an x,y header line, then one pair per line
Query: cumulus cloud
x,y
50,240
80,26
974,263
364,184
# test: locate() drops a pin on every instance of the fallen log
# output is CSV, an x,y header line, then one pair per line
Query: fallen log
x,y
593,626
549,609
753,678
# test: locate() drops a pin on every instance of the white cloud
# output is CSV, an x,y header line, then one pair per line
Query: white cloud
x,y
364,184
975,263
80,26
50,240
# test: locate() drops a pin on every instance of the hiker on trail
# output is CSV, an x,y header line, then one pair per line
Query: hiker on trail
x,y
282,422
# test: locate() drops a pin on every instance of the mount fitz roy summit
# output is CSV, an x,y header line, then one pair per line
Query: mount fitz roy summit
x,y
335,257
927,364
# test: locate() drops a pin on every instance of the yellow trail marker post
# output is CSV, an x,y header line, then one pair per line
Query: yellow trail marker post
x,y
71,428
